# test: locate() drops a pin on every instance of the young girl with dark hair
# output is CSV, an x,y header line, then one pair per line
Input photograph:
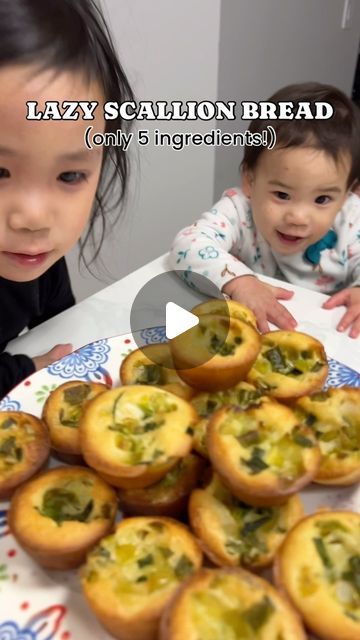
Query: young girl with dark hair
x,y
52,188
294,218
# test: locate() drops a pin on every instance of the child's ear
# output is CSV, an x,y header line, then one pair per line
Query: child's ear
x,y
247,179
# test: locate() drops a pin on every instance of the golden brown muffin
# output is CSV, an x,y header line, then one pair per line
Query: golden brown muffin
x,y
215,354
226,308
62,412
24,448
229,604
169,496
131,576
152,364
318,567
61,514
206,403
334,417
290,364
233,533
134,435
262,454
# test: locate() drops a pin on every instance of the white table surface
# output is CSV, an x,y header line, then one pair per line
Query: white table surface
x,y
107,313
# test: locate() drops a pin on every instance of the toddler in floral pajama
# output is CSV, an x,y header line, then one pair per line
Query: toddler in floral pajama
x,y
293,218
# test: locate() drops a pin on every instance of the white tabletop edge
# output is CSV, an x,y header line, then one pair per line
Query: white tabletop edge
x,y
107,313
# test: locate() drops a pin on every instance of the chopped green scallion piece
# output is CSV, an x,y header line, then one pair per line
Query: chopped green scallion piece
x,y
323,553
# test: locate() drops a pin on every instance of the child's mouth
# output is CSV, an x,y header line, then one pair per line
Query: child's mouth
x,y
28,260
288,239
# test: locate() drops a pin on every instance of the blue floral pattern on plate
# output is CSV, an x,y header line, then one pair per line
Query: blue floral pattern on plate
x,y
11,631
99,362
8,404
4,529
44,625
85,363
340,375
153,335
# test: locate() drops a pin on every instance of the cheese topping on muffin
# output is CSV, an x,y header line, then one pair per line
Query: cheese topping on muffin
x,y
73,400
15,434
288,361
289,364
334,416
236,533
319,567
71,500
206,403
230,604
259,443
140,560
152,365
138,426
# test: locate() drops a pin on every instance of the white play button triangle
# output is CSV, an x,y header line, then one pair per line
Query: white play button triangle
x,y
178,320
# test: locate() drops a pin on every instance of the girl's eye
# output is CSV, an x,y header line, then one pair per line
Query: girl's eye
x,y
4,173
72,177
282,195
322,200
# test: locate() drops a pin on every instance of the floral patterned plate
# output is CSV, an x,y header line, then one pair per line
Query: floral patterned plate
x,y
36,604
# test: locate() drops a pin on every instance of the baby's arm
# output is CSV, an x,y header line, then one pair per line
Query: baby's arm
x,y
262,299
350,296
206,248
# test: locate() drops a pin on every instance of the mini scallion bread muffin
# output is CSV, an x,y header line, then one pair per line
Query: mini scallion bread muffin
x,y
59,515
229,604
206,403
134,435
62,412
215,354
290,364
152,364
226,308
233,533
318,567
262,454
24,448
131,576
169,496
334,417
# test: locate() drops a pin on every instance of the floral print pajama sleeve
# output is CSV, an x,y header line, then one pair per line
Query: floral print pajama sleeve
x,y
224,244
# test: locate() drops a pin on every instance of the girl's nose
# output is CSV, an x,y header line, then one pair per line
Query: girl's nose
x,y
30,212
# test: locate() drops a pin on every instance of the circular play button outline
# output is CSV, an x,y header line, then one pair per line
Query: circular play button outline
x,y
167,300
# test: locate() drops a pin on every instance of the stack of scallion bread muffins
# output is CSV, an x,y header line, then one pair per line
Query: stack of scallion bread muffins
x,y
204,449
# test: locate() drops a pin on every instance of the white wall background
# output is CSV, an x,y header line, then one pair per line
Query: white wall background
x,y
267,44
207,50
170,52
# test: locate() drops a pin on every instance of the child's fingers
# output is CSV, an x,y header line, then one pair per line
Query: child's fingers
x,y
280,316
347,319
262,323
338,299
355,329
60,351
282,294
351,317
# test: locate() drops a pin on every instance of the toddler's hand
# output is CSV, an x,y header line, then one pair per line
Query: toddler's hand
x,y
57,352
262,299
349,298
